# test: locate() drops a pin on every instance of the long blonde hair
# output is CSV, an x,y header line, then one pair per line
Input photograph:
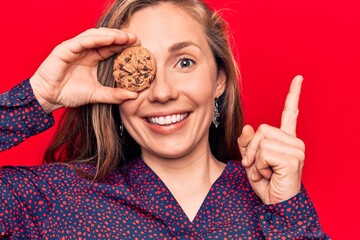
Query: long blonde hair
x,y
91,133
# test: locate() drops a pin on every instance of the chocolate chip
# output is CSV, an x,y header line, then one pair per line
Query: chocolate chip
x,y
145,68
127,60
137,80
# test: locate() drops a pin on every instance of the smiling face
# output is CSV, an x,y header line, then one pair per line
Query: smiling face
x,y
171,119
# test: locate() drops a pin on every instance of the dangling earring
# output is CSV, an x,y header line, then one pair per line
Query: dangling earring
x,y
121,127
216,114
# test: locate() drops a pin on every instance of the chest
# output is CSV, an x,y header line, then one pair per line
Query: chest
x,y
124,213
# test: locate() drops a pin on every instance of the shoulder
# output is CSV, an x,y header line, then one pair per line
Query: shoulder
x,y
52,173
235,169
235,180
234,174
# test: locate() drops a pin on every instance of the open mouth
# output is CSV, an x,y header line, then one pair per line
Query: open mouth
x,y
168,119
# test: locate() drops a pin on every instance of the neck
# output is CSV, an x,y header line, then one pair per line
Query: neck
x,y
188,178
202,165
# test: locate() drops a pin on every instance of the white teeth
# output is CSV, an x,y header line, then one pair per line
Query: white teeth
x,y
169,119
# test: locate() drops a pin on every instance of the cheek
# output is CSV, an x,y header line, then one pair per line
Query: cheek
x,y
204,77
128,112
126,109
200,87
130,107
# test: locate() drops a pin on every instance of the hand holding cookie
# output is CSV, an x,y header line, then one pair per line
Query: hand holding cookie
x,y
68,76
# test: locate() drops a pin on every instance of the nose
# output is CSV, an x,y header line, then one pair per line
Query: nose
x,y
162,89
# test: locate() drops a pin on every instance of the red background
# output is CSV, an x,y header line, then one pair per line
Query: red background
x,y
275,40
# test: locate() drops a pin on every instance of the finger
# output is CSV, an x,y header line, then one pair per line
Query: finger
x,y
291,108
250,151
260,167
246,135
100,31
132,37
109,95
90,42
97,31
132,40
265,131
280,164
268,149
71,50
259,185
297,150
108,51
259,174
266,162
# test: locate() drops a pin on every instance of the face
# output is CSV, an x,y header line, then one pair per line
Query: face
x,y
171,119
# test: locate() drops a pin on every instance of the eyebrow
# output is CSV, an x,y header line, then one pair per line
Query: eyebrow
x,y
181,45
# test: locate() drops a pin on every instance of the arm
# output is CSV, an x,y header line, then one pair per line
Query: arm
x,y
67,78
27,197
21,116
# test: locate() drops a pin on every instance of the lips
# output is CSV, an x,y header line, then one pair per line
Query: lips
x,y
167,119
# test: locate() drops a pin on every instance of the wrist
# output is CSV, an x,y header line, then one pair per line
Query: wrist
x,y
46,105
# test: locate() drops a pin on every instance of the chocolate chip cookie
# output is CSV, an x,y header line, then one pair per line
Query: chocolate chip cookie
x,y
134,69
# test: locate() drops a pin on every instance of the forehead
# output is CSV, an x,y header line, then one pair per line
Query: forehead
x,y
166,24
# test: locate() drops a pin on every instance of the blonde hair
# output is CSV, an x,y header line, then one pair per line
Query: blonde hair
x,y
91,133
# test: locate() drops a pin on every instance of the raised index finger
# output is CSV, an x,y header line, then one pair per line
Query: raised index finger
x,y
291,108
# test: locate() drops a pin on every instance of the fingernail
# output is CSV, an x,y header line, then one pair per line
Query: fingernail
x,y
253,175
300,78
244,160
131,35
135,95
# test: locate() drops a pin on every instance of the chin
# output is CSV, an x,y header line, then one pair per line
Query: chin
x,y
170,152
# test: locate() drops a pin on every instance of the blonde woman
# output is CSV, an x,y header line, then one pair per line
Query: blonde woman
x,y
164,163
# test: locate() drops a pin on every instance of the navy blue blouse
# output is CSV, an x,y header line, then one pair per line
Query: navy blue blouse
x,y
53,201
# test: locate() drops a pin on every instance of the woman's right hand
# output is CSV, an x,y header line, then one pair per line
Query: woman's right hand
x,y
68,76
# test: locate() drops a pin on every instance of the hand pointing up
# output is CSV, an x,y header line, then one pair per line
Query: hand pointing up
x,y
274,157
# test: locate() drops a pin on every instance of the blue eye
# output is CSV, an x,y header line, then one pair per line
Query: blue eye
x,y
185,63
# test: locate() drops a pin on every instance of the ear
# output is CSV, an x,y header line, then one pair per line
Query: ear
x,y
220,84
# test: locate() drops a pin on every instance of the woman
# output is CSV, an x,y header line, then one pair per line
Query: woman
x,y
158,164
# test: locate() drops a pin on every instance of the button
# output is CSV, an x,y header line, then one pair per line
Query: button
x,y
268,216
22,96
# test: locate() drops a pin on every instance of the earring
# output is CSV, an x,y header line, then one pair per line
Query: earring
x,y
216,114
121,127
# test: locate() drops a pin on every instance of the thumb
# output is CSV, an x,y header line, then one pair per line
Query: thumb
x,y
110,95
246,136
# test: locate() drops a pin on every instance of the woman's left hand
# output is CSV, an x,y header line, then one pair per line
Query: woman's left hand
x,y
273,157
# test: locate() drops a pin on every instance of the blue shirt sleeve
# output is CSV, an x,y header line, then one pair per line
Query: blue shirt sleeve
x,y
27,196
295,218
21,116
